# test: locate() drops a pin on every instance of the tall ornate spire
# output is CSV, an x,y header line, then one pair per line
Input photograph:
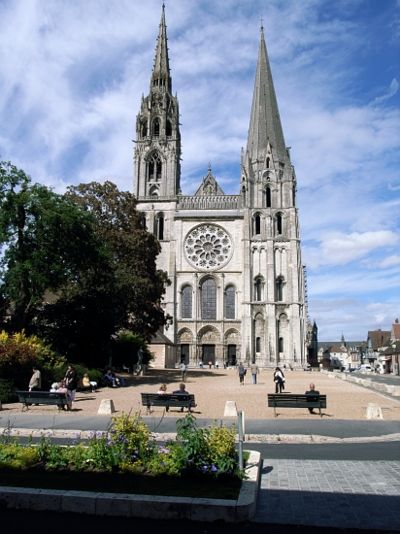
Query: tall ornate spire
x,y
265,123
160,77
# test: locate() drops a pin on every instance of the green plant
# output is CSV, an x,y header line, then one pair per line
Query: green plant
x,y
132,438
7,390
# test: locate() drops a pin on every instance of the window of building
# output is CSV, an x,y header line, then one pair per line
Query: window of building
x,y
280,344
159,226
143,128
168,129
209,299
279,223
258,344
142,220
230,297
156,127
186,304
154,167
257,224
268,162
279,288
267,197
258,289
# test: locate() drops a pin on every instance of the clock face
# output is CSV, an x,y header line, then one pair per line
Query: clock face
x,y
208,247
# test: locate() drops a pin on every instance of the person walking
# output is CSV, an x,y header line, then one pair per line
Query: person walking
x,y
35,383
279,379
241,373
254,372
183,368
71,382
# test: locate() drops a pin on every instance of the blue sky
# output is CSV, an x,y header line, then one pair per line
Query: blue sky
x,y
72,75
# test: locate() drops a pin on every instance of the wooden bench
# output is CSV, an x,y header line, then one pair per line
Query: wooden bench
x,y
42,397
168,400
294,400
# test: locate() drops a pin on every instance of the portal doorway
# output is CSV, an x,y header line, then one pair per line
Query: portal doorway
x,y
231,355
184,353
208,354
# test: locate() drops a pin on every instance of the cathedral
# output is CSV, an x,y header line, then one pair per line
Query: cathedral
x,y
237,291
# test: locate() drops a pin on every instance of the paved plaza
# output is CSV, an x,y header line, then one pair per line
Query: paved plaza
x,y
337,494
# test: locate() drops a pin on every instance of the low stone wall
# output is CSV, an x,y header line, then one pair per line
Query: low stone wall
x,y
388,389
145,506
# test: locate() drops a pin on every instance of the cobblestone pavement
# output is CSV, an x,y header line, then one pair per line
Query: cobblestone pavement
x,y
336,494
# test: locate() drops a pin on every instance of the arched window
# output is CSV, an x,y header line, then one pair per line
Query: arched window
x,y
159,226
258,289
258,344
256,224
279,223
209,299
142,220
186,303
143,128
168,129
154,167
156,127
280,345
294,195
267,197
279,288
268,161
230,296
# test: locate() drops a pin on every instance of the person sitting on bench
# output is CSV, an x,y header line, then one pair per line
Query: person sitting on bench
x,y
181,391
313,395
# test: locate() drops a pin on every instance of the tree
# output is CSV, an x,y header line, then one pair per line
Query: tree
x,y
139,285
48,245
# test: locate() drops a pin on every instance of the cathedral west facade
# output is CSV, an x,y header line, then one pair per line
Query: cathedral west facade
x,y
237,288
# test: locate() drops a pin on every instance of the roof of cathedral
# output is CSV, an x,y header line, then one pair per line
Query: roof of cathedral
x,y
161,61
209,185
265,123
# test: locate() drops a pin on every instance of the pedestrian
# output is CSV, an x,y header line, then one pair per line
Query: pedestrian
x,y
279,379
241,372
183,368
254,372
71,382
312,395
35,383
181,391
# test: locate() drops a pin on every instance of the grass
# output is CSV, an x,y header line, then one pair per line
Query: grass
x,y
185,486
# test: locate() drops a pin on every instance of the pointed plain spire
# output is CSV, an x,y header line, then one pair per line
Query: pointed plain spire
x,y
265,123
161,76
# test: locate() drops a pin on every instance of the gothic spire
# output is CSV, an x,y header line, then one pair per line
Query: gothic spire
x,y
265,124
160,77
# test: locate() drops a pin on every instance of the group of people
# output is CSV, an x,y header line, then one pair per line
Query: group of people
x,y
111,380
181,391
68,384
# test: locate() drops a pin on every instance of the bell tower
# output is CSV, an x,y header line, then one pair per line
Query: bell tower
x,y
158,141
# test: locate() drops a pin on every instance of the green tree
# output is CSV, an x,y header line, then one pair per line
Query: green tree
x,y
48,245
139,285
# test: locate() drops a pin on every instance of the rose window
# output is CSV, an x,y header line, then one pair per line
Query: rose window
x,y
208,247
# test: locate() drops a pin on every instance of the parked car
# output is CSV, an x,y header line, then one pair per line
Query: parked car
x,y
365,368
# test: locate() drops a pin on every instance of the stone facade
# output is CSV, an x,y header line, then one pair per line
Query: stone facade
x,y
237,288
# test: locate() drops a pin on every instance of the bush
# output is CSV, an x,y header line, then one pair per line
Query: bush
x,y
7,391
19,353
130,447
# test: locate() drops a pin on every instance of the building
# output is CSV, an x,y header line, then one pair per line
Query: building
x,y
234,261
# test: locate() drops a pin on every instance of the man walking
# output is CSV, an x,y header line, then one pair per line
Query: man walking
x,y
254,372
183,368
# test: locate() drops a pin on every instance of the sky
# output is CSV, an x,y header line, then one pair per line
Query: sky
x,y
73,73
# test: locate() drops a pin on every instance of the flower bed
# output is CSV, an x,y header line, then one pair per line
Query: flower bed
x,y
127,459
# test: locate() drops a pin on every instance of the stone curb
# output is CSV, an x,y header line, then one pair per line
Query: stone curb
x,y
145,506
388,389
250,438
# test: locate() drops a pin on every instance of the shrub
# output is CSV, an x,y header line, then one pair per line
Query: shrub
x,y
7,391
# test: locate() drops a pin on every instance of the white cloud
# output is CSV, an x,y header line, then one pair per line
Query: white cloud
x,y
392,90
73,74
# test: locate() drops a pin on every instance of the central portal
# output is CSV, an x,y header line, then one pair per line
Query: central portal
x,y
208,354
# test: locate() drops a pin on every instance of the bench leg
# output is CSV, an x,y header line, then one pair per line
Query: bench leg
x,y
320,413
275,414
